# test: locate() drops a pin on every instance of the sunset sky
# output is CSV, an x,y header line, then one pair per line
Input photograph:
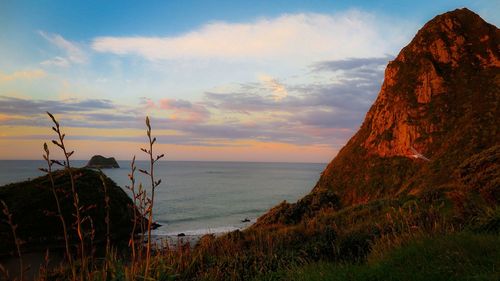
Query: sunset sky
x,y
284,81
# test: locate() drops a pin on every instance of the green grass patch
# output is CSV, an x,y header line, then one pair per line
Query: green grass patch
x,y
462,256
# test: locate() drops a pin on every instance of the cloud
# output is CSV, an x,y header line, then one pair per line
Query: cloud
x,y
310,112
278,90
10,105
83,113
73,53
322,112
354,90
333,105
303,37
242,102
350,63
180,110
175,104
190,131
56,61
24,74
328,118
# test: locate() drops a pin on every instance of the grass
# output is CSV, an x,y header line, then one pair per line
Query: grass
x,y
463,256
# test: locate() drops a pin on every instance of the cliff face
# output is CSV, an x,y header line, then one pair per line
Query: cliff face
x,y
451,63
437,107
439,98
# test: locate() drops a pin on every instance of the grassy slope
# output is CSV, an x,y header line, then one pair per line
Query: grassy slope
x,y
302,234
463,256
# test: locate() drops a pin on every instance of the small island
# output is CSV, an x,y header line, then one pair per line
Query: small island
x,y
101,162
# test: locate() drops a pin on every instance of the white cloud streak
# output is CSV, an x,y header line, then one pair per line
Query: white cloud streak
x,y
303,37
73,53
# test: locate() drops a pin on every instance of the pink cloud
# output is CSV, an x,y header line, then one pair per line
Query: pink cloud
x,y
175,104
181,110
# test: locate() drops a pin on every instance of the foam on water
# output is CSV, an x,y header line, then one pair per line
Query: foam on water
x,y
197,232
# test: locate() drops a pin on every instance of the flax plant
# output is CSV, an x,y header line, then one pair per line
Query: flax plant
x,y
107,222
106,207
76,200
154,184
142,196
48,170
17,241
135,196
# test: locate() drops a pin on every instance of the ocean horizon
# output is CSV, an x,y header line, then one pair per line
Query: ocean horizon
x,y
199,197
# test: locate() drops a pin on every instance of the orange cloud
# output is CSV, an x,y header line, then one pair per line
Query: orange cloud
x,y
24,74
4,117
181,110
278,90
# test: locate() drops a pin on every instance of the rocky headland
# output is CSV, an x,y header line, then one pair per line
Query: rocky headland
x,y
101,162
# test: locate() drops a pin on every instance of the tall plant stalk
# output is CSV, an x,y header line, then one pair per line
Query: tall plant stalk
x,y
131,176
142,196
46,156
107,219
154,184
108,222
17,241
76,200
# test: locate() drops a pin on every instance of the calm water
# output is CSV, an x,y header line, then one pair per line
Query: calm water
x,y
197,197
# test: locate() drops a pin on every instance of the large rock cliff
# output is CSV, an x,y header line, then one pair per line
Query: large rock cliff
x,y
437,108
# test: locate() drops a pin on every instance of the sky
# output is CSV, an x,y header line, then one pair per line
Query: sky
x,y
270,81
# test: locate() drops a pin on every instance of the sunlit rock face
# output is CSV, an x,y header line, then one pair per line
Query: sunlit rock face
x,y
433,128
439,99
452,46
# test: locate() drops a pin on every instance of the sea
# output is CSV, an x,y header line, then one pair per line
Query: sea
x,y
197,198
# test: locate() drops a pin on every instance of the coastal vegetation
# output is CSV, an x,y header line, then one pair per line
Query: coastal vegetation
x,y
464,256
377,212
305,241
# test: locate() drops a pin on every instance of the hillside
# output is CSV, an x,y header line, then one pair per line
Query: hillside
x,y
440,99
422,169
33,210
